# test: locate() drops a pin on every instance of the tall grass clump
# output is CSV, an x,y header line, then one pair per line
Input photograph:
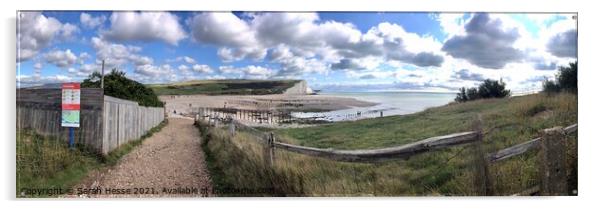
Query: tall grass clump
x,y
238,169
48,163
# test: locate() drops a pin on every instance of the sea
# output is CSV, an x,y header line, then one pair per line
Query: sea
x,y
389,103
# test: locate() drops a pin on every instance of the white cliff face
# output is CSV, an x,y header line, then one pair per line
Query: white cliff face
x,y
299,88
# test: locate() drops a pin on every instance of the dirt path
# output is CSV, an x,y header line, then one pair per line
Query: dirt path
x,y
168,164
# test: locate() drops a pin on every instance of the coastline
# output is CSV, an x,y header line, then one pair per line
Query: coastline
x,y
186,104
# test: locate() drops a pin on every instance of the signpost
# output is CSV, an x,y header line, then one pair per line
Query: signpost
x,y
70,106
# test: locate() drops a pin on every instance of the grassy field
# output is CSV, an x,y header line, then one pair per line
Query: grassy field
x,y
220,87
448,172
47,162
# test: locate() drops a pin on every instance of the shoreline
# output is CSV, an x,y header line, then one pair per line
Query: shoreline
x,y
186,104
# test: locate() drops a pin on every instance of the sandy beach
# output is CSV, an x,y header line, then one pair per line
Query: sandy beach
x,y
185,104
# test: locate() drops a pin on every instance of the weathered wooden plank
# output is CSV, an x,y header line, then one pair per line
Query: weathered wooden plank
x,y
523,147
377,155
513,150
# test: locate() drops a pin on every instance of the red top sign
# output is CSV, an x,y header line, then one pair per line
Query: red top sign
x,y
71,96
71,86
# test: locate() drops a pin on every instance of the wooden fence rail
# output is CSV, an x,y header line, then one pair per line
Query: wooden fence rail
x,y
378,155
407,150
523,147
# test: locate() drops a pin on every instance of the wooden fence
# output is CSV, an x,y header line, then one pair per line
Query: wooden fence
x,y
552,146
105,122
125,121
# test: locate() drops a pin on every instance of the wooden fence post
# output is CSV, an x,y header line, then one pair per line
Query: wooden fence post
x,y
553,169
268,151
481,178
232,128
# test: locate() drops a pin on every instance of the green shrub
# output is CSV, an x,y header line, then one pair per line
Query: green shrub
x,y
550,86
488,89
117,85
566,80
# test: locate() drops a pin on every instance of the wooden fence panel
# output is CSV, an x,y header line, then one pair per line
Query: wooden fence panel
x,y
128,121
40,110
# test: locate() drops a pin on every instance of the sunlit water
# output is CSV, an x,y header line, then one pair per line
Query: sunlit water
x,y
389,103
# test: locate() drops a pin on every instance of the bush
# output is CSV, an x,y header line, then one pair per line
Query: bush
x,y
550,86
488,89
566,80
567,77
117,85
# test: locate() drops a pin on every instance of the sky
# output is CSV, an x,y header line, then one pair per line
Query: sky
x,y
336,51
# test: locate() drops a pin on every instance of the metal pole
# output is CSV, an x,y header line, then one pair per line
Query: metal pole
x,y
71,137
102,75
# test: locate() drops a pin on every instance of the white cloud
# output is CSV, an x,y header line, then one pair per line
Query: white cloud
x,y
452,24
257,72
29,80
145,26
233,36
37,65
68,30
185,59
222,29
487,43
140,60
183,68
248,72
36,31
302,44
117,55
156,74
189,60
202,69
91,22
62,59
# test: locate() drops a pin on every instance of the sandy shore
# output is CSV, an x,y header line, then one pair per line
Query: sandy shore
x,y
185,104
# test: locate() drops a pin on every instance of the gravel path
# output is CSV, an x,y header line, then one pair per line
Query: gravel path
x,y
168,164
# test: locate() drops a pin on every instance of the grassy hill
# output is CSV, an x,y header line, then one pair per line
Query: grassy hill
x,y
507,122
219,87
511,120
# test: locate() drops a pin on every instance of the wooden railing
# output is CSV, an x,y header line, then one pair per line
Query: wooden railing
x,y
377,155
551,143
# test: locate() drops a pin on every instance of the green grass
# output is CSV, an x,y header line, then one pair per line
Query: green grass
x,y
515,119
220,87
48,163
447,172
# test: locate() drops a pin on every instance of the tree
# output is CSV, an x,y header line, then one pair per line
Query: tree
x,y
488,89
116,84
567,77
549,86
493,89
566,80
461,96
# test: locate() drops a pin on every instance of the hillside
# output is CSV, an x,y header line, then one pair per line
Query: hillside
x,y
222,87
514,119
